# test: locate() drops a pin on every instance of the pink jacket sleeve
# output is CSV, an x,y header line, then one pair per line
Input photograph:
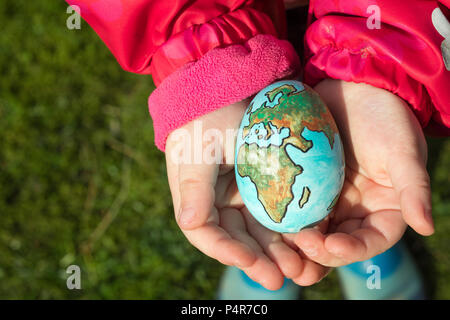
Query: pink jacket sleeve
x,y
405,54
202,54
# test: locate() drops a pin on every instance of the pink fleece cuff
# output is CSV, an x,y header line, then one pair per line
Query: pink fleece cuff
x,y
221,77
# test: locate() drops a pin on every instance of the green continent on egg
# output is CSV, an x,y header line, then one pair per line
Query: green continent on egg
x,y
273,176
271,170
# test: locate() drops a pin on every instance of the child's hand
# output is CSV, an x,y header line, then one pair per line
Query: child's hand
x,y
212,216
386,186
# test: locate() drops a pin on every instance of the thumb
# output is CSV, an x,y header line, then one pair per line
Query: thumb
x,y
410,180
196,185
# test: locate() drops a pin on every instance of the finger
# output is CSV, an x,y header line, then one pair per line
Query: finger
x,y
312,244
196,191
411,182
263,270
322,226
287,260
311,274
355,241
227,193
289,239
218,244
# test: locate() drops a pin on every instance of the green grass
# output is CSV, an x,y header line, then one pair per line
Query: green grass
x,y
82,183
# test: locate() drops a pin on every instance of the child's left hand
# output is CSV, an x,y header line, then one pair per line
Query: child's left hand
x,y
386,186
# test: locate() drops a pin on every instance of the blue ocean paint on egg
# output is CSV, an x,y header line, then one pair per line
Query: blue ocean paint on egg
x,y
289,158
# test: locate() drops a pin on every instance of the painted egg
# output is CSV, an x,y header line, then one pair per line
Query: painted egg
x,y
289,158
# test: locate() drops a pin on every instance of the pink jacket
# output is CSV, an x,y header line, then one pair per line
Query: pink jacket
x,y
205,54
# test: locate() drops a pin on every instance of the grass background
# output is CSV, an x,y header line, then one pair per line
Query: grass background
x,y
82,183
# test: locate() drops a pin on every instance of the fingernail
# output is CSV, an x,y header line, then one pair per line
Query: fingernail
x,y
428,216
238,263
337,253
186,216
264,283
310,251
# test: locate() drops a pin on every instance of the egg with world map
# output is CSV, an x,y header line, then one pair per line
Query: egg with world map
x,y
289,160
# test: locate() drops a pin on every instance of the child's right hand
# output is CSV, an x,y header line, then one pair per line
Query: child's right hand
x,y
212,216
